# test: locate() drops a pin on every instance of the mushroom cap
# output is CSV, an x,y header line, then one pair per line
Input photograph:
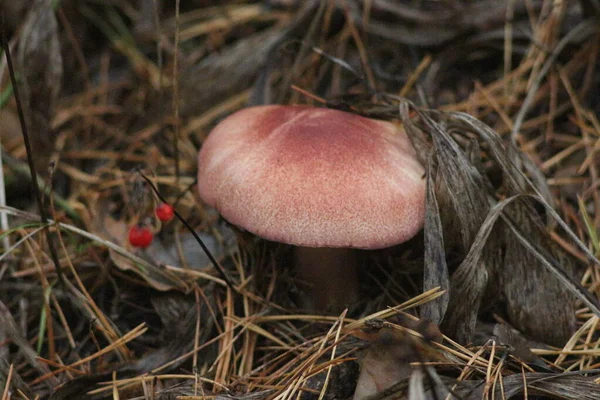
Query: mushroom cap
x,y
314,177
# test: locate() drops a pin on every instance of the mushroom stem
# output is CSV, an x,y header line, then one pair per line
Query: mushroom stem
x,y
331,274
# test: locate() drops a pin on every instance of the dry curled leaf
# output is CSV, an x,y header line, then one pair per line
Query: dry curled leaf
x,y
548,313
498,264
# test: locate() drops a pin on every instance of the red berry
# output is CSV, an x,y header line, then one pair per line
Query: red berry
x,y
164,212
140,236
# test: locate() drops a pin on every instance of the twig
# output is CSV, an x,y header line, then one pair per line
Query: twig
x,y
184,191
176,94
3,216
159,53
34,179
309,94
508,46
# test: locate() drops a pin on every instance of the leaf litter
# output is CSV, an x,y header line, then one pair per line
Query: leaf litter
x,y
504,277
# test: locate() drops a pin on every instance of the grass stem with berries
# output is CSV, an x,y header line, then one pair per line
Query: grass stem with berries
x,y
212,259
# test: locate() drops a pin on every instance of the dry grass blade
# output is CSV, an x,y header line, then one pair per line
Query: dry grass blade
x,y
435,272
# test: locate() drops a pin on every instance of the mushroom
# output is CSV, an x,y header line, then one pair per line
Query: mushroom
x,y
323,180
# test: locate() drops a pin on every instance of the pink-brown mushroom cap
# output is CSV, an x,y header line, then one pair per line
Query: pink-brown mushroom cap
x,y
314,177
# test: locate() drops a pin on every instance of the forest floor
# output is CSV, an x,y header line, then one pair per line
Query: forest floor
x,y
496,298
